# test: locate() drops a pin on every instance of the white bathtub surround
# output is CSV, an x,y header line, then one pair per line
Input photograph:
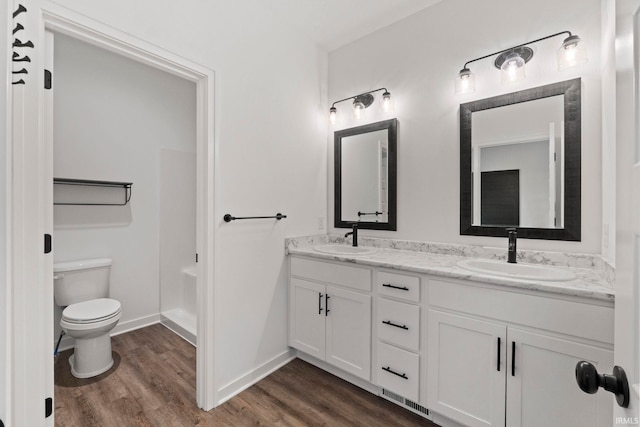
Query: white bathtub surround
x,y
182,319
592,275
177,217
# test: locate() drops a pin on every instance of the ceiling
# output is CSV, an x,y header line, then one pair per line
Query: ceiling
x,y
335,23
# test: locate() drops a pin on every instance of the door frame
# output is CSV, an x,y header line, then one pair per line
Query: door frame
x,y
31,186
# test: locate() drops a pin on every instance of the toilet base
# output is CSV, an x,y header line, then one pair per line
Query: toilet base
x,y
89,374
91,356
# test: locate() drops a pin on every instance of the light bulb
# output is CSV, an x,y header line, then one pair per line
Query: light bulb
x,y
512,68
465,82
387,103
333,113
572,53
358,109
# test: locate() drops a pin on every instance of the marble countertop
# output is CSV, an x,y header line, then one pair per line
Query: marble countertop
x,y
590,282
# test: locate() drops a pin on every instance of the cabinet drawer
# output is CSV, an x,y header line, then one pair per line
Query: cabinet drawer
x,y
399,286
337,274
399,323
398,371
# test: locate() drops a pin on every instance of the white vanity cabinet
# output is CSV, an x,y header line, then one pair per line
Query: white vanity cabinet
x,y
330,314
499,358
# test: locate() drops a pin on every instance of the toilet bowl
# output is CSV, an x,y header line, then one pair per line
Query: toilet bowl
x,y
90,323
89,316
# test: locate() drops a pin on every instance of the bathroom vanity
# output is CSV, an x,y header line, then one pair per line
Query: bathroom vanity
x,y
460,347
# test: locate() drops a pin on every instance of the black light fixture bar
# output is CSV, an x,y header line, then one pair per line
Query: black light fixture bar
x,y
358,96
517,46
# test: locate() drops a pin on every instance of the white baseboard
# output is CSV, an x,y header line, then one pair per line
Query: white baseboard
x,y
250,378
134,324
67,342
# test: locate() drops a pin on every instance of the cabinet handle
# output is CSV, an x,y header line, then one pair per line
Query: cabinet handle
x,y
390,323
391,371
498,354
326,304
389,285
513,358
319,303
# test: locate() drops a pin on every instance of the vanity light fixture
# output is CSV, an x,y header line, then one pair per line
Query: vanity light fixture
x,y
511,62
361,103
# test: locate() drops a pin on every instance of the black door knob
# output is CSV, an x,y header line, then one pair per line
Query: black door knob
x,y
590,380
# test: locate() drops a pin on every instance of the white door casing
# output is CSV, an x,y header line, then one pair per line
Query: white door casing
x,y
30,295
627,286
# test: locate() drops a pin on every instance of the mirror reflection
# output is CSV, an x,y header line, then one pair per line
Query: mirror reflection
x,y
517,156
520,163
364,181
365,176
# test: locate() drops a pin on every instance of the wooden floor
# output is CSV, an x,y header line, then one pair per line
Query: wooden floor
x,y
153,381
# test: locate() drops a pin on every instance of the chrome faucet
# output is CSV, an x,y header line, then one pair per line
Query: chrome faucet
x,y
513,236
354,232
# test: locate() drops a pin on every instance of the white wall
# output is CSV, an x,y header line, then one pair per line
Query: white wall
x,y
112,118
270,155
418,58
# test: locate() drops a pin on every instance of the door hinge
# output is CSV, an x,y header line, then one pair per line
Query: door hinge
x,y
48,407
47,79
554,157
196,257
47,243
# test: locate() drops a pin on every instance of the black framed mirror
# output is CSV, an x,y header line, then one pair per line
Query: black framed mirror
x,y
365,176
520,163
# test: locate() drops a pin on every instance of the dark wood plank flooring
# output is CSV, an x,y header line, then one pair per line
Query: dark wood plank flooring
x,y
153,382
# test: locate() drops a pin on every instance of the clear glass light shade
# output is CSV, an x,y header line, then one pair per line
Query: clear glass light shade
x,y
572,53
333,115
512,70
465,82
386,103
358,110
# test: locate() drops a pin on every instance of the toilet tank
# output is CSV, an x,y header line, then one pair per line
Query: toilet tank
x,y
82,280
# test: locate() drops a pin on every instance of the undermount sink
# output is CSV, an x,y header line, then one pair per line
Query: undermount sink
x,y
517,271
336,249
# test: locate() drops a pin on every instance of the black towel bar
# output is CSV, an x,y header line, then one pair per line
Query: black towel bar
x,y
229,217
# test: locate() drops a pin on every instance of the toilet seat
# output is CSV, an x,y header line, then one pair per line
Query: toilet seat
x,y
92,311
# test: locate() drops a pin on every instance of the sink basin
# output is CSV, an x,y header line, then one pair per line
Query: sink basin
x,y
344,250
517,271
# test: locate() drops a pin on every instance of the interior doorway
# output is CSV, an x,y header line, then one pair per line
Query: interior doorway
x,y
32,190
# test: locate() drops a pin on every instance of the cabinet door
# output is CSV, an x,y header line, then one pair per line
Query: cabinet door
x,y
307,317
542,390
466,375
349,331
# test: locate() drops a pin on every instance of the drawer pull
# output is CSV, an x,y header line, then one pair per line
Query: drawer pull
x,y
389,285
390,323
391,371
326,304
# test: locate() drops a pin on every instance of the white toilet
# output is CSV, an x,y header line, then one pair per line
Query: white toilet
x,y
83,286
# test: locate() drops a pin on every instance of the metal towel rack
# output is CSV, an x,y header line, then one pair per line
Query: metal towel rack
x,y
229,217
91,183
